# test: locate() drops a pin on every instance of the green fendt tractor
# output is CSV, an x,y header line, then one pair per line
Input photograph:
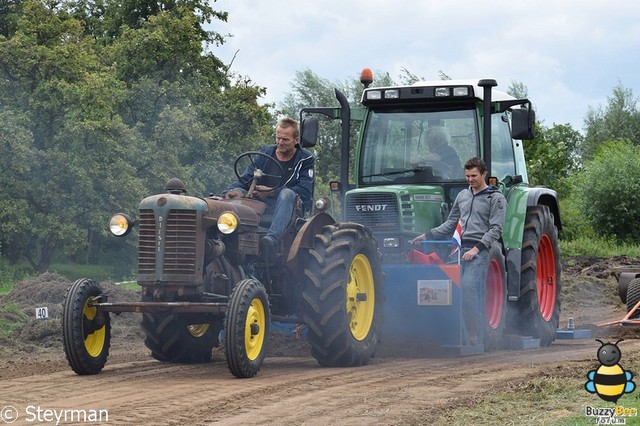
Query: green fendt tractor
x,y
204,282
405,183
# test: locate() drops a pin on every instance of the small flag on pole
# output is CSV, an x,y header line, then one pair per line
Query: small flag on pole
x,y
457,238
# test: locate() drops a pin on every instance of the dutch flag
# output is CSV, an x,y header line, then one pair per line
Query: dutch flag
x,y
457,238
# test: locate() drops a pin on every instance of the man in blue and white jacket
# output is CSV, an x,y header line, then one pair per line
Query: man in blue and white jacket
x,y
297,164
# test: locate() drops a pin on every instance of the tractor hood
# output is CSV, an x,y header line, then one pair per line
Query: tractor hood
x,y
397,209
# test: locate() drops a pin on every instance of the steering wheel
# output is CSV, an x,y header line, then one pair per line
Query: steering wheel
x,y
249,158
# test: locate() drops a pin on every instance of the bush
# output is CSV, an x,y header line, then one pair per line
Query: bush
x,y
11,273
609,191
575,220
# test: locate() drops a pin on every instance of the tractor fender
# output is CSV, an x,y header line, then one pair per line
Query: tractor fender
x,y
518,200
304,237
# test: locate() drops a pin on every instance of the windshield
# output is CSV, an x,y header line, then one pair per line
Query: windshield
x,y
417,146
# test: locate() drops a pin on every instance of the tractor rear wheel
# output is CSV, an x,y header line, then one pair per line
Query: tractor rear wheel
x,y
86,331
633,295
247,328
539,304
342,295
172,338
495,299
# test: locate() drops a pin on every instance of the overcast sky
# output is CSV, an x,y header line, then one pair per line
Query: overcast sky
x,y
569,53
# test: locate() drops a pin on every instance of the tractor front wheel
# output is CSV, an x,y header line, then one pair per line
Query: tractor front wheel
x,y
247,328
342,295
539,304
86,330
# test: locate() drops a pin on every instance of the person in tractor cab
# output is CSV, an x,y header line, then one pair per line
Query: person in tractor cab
x,y
480,209
298,167
441,151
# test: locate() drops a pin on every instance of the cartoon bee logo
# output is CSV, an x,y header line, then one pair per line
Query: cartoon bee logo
x,y
610,380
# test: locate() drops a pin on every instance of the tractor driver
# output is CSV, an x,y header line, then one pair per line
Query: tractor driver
x,y
481,210
440,153
297,164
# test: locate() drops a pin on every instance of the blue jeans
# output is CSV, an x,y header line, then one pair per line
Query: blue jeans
x,y
282,208
473,275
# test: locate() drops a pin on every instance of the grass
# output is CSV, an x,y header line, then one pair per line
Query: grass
x,y
129,285
11,318
556,398
598,247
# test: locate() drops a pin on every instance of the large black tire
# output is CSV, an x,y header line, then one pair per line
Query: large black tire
x,y
342,295
172,338
86,331
538,309
633,296
246,327
495,297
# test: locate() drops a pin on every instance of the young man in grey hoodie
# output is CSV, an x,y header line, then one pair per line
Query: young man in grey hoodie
x,y
480,209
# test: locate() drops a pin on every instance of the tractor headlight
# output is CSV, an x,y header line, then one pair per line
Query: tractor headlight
x,y
227,223
120,225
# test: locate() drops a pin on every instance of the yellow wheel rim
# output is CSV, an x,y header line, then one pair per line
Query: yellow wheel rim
x,y
198,330
361,297
254,329
94,342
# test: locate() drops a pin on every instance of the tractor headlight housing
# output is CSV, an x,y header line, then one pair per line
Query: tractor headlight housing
x,y
121,224
227,223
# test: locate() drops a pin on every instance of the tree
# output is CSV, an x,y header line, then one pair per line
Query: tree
x,y
620,119
552,156
63,144
90,123
609,188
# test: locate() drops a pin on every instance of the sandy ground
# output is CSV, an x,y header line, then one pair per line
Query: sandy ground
x,y
36,382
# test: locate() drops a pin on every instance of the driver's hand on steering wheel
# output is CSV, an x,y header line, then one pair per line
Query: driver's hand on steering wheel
x,y
262,192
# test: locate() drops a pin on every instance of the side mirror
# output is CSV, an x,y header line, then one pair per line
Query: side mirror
x,y
309,132
523,124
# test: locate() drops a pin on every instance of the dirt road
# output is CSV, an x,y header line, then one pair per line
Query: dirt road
x,y
287,391
38,387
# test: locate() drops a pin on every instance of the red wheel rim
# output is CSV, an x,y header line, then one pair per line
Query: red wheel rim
x,y
494,295
546,278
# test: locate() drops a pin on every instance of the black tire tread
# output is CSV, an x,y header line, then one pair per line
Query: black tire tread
x,y
323,296
235,320
633,295
539,221
77,356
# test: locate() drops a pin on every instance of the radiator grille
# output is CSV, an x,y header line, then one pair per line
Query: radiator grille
x,y
147,243
378,211
180,242
180,233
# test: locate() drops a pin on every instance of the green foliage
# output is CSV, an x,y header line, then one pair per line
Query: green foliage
x,y
11,318
598,247
11,273
100,104
99,273
620,119
575,220
609,191
552,156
